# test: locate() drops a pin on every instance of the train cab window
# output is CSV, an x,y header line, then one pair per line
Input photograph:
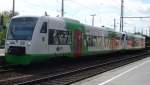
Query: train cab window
x,y
44,28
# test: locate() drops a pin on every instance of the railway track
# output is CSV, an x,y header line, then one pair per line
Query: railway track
x,y
7,68
72,75
8,72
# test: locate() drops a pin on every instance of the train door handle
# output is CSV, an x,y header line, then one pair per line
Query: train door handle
x,y
43,39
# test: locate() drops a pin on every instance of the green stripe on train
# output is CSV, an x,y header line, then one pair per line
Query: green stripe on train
x,y
72,26
28,59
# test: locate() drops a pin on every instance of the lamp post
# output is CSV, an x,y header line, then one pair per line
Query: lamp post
x,y
93,16
114,24
122,16
62,8
13,9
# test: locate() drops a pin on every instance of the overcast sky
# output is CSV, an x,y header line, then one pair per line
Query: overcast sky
x,y
106,11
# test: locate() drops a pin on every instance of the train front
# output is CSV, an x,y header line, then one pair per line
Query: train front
x,y
18,41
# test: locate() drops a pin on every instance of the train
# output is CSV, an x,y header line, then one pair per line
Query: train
x,y
147,42
38,38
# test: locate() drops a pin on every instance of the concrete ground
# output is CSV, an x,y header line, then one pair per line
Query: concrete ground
x,y
137,73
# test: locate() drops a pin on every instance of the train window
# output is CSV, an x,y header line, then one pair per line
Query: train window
x,y
50,36
97,41
85,40
94,41
44,28
100,42
89,40
123,36
59,37
64,37
106,42
69,39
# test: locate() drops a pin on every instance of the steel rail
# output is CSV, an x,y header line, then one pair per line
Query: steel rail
x,y
73,71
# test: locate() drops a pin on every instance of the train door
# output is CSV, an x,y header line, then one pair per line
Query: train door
x,y
113,43
77,43
43,37
124,41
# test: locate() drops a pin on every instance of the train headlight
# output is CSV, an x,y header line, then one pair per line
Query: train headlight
x,y
7,42
28,43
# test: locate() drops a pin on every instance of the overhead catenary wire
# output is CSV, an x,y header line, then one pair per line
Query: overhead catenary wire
x,y
92,9
35,6
39,6
31,4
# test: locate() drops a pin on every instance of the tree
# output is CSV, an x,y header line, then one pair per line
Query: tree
x,y
9,13
5,18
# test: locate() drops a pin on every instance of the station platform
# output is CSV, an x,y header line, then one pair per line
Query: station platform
x,y
137,73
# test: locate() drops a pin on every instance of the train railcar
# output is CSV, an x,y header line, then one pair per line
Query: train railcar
x,y
147,42
135,41
32,39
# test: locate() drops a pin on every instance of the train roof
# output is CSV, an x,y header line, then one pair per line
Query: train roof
x,y
132,35
139,36
25,16
88,27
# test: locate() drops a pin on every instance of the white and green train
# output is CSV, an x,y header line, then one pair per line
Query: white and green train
x,y
31,39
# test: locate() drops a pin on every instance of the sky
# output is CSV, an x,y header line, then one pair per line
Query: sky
x,y
106,11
